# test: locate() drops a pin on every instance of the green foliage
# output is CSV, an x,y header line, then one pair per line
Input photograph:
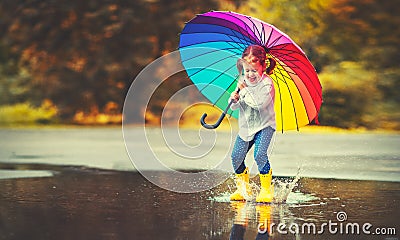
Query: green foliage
x,y
350,95
358,30
363,32
13,79
353,98
25,113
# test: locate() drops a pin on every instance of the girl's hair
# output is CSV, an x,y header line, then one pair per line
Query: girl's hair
x,y
259,52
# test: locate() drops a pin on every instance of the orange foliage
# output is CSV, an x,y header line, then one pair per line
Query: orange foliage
x,y
110,115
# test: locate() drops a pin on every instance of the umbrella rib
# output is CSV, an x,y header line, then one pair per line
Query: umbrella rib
x,y
244,32
301,69
219,98
281,51
263,34
276,40
202,54
211,82
230,43
241,42
284,60
269,38
291,98
205,67
240,30
244,42
280,97
302,103
255,30
247,28
282,63
293,59
190,45
285,81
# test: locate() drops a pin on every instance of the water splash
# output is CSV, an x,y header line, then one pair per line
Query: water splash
x,y
222,197
283,192
284,187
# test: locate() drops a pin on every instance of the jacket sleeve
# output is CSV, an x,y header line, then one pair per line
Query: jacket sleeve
x,y
234,105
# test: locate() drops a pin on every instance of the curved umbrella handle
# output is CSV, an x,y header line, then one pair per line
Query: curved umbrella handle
x,y
215,125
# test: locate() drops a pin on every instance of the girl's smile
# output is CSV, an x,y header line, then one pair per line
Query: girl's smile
x,y
252,76
252,72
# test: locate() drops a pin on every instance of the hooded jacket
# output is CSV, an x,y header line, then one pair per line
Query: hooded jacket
x,y
256,108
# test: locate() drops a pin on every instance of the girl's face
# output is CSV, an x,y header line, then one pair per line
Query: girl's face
x,y
252,69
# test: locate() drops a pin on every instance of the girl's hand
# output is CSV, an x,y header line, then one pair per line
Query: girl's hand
x,y
242,85
235,96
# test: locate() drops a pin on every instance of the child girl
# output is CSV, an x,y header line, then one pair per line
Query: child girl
x,y
255,101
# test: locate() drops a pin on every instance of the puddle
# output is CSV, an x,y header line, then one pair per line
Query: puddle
x,y
8,174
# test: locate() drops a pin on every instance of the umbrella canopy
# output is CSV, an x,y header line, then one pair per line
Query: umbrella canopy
x,y
210,45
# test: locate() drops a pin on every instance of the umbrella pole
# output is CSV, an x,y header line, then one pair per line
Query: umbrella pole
x,y
215,125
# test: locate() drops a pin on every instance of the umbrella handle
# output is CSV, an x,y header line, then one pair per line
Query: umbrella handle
x,y
215,125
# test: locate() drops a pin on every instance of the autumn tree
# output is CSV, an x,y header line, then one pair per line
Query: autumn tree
x,y
83,55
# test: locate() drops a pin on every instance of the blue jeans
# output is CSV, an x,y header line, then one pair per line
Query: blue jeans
x,y
261,139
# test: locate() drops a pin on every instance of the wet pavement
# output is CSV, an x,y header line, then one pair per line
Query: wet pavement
x,y
84,203
79,183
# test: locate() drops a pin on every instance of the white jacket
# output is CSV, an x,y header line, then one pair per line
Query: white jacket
x,y
256,108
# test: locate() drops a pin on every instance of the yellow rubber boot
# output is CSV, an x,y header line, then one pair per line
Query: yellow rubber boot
x,y
243,189
266,194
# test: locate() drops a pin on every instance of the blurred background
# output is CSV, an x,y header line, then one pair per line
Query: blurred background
x,y
67,63
72,61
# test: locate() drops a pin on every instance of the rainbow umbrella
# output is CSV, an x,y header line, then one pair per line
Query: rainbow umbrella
x,y
210,45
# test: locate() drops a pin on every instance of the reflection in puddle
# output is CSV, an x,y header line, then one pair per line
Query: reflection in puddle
x,y
98,204
261,219
7,174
